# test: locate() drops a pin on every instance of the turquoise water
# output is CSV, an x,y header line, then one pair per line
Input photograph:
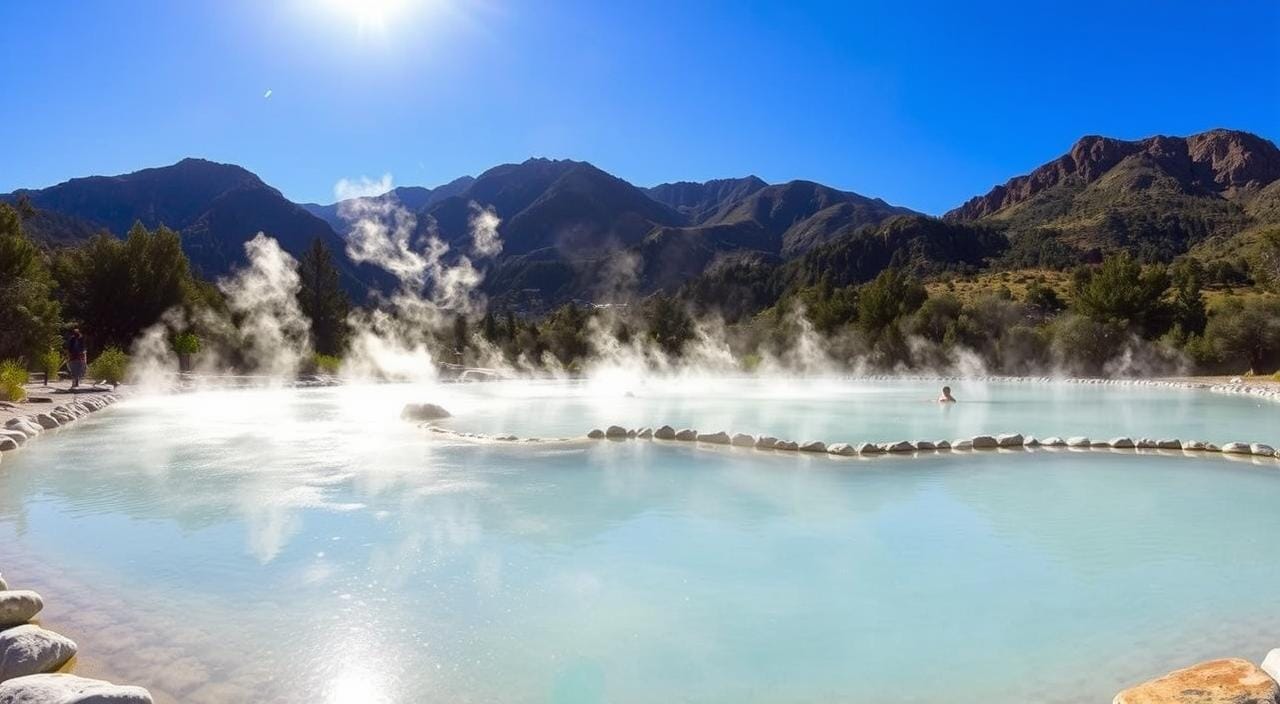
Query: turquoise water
x,y
308,546
848,411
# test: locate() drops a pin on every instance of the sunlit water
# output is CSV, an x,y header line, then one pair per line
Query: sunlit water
x,y
309,546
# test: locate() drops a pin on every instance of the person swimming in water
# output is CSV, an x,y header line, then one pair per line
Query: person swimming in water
x,y
946,396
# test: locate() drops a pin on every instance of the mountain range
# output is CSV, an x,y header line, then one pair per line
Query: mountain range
x,y
570,230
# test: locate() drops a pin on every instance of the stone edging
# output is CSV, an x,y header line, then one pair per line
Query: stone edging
x,y
977,442
17,431
32,656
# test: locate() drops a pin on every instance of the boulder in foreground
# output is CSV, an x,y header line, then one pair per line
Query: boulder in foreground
x,y
1231,681
31,650
18,606
424,411
68,689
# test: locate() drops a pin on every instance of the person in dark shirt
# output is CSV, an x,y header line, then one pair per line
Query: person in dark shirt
x,y
77,357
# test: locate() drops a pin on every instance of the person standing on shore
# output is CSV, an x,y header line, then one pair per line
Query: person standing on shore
x,y
77,357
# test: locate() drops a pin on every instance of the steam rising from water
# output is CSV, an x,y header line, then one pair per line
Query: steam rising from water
x,y
436,284
390,339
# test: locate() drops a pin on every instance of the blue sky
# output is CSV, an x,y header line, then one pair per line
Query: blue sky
x,y
921,103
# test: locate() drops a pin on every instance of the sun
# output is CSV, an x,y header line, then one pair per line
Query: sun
x,y
370,16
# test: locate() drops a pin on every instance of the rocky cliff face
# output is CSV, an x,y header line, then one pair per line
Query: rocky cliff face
x,y
1215,163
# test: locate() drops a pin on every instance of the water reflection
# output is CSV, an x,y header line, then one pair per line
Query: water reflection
x,y
312,547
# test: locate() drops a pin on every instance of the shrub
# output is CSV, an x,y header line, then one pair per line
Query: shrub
x,y
110,366
186,343
326,363
12,376
50,362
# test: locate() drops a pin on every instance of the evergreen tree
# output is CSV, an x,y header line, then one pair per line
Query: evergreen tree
x,y
29,317
890,296
116,289
1121,292
322,299
1188,303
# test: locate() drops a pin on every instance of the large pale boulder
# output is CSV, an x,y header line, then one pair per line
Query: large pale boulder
x,y
31,650
814,446
69,689
766,442
1262,450
901,446
1121,443
1271,664
46,421
842,448
18,606
424,411
1236,448
870,448
7,443
1232,681
1079,441
742,440
790,445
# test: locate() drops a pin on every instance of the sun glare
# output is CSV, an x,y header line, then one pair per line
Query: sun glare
x,y
370,16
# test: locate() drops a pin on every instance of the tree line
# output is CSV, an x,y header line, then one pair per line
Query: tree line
x,y
1118,317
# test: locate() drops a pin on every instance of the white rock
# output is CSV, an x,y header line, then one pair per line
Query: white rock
x,y
17,435
1193,445
69,689
814,446
1078,441
983,442
1169,444
901,446
7,443
786,445
718,438
31,650
742,440
925,446
943,445
47,421
1262,450
615,431
1236,448
870,448
1053,441
1121,443
645,433
18,606
1013,440
1271,664
962,444
766,442
1146,444
666,432
687,434
843,449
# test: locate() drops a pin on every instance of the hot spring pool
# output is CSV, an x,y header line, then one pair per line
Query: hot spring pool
x,y
309,546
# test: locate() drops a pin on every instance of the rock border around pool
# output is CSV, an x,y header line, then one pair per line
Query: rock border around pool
x,y
30,657
976,443
18,430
